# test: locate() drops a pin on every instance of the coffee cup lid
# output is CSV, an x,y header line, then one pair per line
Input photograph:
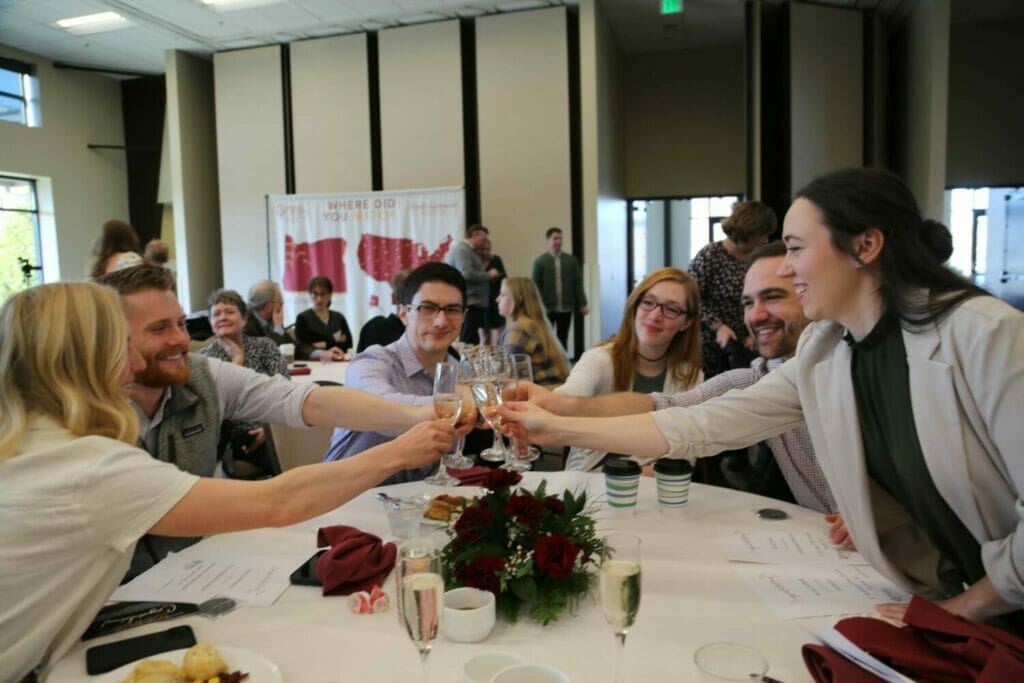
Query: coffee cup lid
x,y
621,467
673,466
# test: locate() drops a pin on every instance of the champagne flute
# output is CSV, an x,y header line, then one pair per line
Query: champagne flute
x,y
420,595
457,460
447,406
492,370
521,454
620,588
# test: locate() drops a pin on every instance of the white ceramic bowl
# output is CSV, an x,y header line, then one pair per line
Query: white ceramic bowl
x,y
469,615
482,668
530,673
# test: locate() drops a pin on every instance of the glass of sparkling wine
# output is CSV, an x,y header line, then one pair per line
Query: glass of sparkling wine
x,y
420,595
447,406
620,589
492,371
521,454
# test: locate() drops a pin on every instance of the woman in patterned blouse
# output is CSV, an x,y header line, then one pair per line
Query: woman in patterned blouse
x,y
719,269
227,317
528,331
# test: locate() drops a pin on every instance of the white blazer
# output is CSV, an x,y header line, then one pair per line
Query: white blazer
x,y
967,390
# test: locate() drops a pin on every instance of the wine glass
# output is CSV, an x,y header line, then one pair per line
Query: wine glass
x,y
447,406
420,595
456,460
492,371
520,455
620,588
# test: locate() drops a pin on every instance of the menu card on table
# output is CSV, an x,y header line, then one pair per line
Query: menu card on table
x,y
253,580
782,546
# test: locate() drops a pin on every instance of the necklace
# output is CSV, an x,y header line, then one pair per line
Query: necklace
x,y
652,360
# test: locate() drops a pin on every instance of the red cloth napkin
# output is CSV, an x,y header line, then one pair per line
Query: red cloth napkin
x,y
473,476
935,646
356,561
299,371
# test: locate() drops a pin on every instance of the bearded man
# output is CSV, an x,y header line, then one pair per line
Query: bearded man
x,y
181,398
775,319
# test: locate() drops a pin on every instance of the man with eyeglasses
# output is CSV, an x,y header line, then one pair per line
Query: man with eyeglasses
x,y
433,309
775,319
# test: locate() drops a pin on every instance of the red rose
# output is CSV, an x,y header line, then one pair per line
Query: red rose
x,y
527,510
500,478
555,505
555,555
472,523
482,572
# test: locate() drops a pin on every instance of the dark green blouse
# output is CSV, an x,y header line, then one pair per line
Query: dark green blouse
x,y
892,450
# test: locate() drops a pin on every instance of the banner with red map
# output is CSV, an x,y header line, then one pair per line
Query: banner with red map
x,y
358,240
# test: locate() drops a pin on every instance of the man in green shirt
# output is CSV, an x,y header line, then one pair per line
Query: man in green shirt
x,y
559,280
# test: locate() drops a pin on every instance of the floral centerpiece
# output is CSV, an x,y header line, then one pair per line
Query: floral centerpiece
x,y
532,550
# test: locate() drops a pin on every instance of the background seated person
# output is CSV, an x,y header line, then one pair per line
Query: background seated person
x,y
247,439
181,398
657,348
403,371
529,332
117,247
320,327
76,494
266,317
384,330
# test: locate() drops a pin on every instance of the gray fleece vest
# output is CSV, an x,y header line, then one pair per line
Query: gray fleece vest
x,y
187,437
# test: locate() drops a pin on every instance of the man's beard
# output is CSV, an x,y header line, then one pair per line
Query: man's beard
x,y
785,347
157,377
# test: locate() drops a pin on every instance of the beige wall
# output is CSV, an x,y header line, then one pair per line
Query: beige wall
x,y
88,187
331,115
250,157
826,90
193,170
523,114
986,104
421,106
920,135
685,123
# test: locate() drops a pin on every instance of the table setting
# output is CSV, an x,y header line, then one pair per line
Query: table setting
x,y
690,595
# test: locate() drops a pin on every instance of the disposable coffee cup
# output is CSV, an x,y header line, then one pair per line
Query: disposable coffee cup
x,y
622,482
673,481
287,352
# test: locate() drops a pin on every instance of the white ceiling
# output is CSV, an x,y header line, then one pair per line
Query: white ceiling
x,y
160,25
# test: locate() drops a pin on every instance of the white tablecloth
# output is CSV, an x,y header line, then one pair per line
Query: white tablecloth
x,y
331,372
690,597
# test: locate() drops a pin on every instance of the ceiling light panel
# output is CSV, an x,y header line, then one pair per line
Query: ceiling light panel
x,y
93,23
233,5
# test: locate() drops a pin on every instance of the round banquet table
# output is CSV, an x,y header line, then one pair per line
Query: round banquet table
x,y
321,372
689,597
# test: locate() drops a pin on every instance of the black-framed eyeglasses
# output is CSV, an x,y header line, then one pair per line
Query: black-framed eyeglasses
x,y
430,310
670,311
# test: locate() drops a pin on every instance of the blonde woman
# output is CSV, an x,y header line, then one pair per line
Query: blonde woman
x,y
657,349
528,331
76,494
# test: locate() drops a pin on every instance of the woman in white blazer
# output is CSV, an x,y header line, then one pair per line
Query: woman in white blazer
x,y
911,384
657,348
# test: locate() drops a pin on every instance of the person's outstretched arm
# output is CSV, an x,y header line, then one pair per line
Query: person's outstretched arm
x,y
220,505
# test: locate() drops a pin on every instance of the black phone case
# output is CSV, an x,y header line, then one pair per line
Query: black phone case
x,y
306,574
103,658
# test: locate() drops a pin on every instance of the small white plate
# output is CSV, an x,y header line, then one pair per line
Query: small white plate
x,y
259,668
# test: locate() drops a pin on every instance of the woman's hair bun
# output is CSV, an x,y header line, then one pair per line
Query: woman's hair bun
x,y
937,239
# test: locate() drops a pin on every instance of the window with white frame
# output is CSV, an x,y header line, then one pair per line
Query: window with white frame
x,y
20,260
